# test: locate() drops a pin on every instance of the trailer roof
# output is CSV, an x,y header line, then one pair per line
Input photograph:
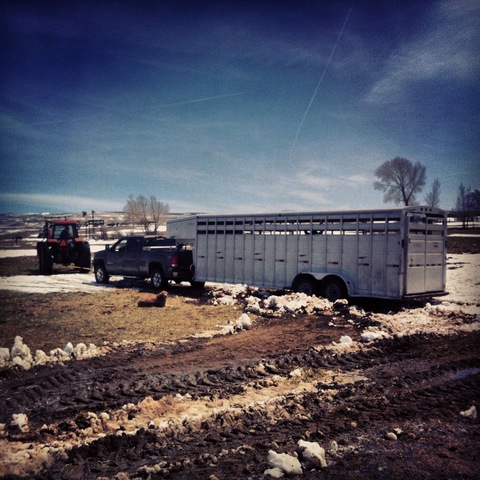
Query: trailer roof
x,y
416,209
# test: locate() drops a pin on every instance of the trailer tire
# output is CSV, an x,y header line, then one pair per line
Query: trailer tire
x,y
333,288
159,282
305,284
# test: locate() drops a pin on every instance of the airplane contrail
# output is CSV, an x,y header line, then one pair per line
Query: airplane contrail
x,y
319,83
198,100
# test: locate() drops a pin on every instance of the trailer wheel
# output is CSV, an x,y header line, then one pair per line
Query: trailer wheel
x,y
159,282
305,284
333,288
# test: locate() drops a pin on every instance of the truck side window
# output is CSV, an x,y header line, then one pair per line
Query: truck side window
x,y
120,246
133,244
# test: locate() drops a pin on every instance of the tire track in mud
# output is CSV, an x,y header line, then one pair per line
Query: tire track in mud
x,y
406,381
53,394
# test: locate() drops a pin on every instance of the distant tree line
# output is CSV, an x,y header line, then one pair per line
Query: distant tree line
x,y
467,207
147,213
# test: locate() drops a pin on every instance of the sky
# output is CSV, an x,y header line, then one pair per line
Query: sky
x,y
234,106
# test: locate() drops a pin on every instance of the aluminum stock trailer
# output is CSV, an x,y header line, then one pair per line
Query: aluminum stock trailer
x,y
395,253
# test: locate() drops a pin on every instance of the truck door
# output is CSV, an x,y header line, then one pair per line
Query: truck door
x,y
425,254
114,257
130,256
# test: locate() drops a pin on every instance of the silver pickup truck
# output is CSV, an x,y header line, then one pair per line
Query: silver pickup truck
x,y
158,258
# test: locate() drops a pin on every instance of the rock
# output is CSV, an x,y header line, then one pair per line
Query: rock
x,y
390,436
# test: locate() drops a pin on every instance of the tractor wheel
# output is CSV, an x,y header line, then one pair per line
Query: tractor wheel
x,y
101,275
84,258
159,282
45,259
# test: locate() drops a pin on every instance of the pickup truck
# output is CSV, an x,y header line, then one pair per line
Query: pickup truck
x,y
158,258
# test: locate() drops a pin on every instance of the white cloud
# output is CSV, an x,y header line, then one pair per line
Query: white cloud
x,y
359,179
446,51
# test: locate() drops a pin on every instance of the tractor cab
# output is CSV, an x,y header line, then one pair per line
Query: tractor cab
x,y
60,229
63,230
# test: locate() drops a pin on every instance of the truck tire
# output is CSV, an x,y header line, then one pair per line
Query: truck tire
x,y
305,284
101,275
159,282
333,288
45,259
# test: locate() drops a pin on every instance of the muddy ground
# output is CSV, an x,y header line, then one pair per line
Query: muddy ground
x,y
214,407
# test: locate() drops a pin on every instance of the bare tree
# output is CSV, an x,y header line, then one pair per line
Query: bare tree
x,y
132,210
148,213
400,180
158,212
432,198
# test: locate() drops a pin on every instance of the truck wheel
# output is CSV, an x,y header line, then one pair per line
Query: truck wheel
x,y
159,282
305,284
101,275
333,289
45,259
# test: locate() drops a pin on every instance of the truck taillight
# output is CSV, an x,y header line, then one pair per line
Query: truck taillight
x,y
174,260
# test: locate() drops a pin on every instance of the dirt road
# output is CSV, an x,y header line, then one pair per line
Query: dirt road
x,y
217,406
181,407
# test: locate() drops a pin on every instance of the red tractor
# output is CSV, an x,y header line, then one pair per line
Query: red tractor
x,y
61,243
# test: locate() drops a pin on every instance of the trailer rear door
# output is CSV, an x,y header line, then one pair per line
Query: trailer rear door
x,y
425,239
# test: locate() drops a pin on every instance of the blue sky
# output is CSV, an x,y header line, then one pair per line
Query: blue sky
x,y
233,106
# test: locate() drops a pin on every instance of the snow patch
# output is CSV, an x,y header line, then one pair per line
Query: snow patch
x,y
21,356
288,464
470,413
312,453
20,420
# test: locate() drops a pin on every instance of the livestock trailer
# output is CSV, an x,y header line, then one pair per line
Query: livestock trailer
x,y
394,253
